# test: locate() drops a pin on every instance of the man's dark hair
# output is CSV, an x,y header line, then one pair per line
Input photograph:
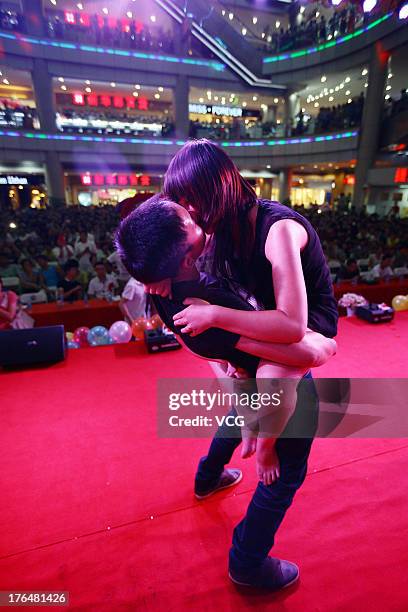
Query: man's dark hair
x,y
351,261
151,241
71,263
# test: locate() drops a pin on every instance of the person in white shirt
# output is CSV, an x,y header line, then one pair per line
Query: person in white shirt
x,y
103,284
122,273
133,302
84,249
62,251
383,269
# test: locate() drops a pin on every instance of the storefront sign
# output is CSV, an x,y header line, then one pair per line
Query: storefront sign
x,y
120,180
349,179
401,175
13,180
79,99
208,109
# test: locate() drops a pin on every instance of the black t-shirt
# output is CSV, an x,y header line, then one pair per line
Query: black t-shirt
x,y
67,285
214,343
322,305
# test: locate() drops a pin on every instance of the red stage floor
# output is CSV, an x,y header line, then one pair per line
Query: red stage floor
x,y
94,504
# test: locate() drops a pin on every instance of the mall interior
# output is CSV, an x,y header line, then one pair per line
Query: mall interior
x,y
309,98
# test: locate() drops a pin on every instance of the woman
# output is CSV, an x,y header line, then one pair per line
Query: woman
x,y
11,315
31,281
276,255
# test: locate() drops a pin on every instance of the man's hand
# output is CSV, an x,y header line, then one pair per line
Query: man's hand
x,y
162,288
267,461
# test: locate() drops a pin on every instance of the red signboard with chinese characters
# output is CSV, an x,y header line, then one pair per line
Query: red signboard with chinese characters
x,y
349,179
401,175
79,99
122,180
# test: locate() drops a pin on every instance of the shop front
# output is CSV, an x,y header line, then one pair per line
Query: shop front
x,y
99,189
19,190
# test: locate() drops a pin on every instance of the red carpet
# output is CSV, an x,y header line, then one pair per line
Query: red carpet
x,y
80,455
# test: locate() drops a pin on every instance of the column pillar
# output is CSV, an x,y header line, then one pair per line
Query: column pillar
x,y
292,107
34,17
181,95
371,121
55,179
44,95
285,184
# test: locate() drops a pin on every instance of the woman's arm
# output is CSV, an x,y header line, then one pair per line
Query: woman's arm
x,y
286,324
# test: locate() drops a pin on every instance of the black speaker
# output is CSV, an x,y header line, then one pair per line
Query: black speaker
x,y
19,347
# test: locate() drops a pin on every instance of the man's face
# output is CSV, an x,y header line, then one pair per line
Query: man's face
x,y
195,237
100,271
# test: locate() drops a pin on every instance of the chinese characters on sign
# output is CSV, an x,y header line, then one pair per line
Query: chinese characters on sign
x,y
122,180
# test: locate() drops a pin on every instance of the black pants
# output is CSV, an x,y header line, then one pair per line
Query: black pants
x,y
254,536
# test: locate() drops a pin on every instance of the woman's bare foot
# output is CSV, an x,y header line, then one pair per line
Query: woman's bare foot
x,y
267,461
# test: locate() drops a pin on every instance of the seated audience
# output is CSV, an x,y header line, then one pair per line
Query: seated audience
x,y
31,281
383,269
349,272
69,286
103,284
7,268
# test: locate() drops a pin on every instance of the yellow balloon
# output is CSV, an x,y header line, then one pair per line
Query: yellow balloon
x,y
400,302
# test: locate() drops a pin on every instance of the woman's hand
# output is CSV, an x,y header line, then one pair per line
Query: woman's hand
x,y
197,318
162,288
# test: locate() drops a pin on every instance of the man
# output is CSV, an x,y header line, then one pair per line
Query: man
x,y
51,273
160,240
69,286
383,269
349,272
103,284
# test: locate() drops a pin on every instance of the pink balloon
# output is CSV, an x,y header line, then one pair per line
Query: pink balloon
x,y
120,332
81,336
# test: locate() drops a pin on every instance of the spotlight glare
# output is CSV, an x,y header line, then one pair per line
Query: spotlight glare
x,y
403,12
368,5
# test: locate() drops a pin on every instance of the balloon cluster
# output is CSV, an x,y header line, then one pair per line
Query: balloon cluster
x,y
119,332
400,302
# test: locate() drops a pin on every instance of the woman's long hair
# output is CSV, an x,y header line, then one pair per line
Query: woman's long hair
x,y
203,174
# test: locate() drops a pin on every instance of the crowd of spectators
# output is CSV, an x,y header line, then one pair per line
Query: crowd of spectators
x,y
18,116
68,252
105,121
312,30
393,106
330,119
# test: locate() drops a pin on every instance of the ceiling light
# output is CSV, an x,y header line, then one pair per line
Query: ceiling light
x,y
80,6
276,100
390,75
87,82
331,99
331,91
244,104
113,84
160,89
157,96
364,72
64,87
135,93
6,81
105,10
348,92
268,166
365,84
243,31
388,88
231,16
61,79
254,20
88,90
254,98
153,18
137,86
316,104
349,101
387,97
302,10
201,100
129,14
336,88
54,2
223,12
323,79
341,85
347,79
277,24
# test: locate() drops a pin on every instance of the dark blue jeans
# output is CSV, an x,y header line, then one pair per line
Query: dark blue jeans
x,y
254,536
